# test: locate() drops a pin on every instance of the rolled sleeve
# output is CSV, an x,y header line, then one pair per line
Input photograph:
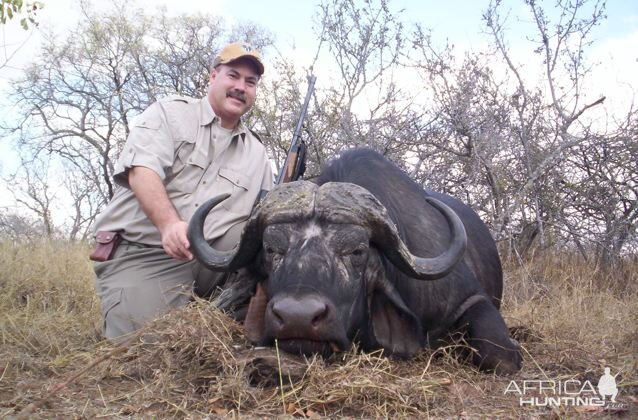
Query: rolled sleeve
x,y
149,144
267,182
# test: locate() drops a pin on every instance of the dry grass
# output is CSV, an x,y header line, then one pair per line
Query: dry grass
x,y
572,319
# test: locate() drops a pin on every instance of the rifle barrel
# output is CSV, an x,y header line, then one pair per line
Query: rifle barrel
x,y
304,108
292,155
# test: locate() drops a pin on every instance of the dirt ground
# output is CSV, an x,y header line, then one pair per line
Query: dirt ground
x,y
196,362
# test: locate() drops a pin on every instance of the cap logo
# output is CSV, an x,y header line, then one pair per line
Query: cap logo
x,y
238,50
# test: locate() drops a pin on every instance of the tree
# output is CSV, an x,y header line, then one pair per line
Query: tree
x,y
33,191
356,107
360,107
561,46
509,144
601,192
10,9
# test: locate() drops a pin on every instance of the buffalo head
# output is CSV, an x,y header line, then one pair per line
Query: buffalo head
x,y
327,254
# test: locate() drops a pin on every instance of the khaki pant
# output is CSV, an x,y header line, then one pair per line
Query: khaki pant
x,y
142,282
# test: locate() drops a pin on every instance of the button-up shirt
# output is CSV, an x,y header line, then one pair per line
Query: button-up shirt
x,y
182,140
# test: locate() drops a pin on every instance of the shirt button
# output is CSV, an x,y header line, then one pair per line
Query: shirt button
x,y
203,182
196,204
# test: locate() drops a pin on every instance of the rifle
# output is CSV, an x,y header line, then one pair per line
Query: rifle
x,y
295,164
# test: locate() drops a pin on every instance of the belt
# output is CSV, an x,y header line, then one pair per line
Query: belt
x,y
139,244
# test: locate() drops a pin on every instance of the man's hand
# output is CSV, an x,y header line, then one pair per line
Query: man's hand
x,y
175,241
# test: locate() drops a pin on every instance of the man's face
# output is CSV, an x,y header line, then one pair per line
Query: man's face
x,y
232,90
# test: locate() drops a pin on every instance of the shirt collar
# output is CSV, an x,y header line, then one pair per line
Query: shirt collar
x,y
208,116
206,112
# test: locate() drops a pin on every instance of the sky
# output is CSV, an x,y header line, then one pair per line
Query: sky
x,y
293,22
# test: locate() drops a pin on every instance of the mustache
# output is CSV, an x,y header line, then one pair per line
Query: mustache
x,y
237,95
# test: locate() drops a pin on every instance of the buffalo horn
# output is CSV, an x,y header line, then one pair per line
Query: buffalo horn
x,y
342,202
210,257
421,268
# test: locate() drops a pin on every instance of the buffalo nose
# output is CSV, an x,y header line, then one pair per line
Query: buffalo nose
x,y
300,315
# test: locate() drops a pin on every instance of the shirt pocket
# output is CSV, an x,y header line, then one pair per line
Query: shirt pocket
x,y
236,184
186,172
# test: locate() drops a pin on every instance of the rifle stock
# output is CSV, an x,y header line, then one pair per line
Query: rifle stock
x,y
295,163
290,169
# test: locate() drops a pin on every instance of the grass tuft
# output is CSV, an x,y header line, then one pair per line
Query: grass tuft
x,y
572,319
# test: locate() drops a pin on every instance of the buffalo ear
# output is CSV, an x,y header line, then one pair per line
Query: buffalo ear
x,y
254,322
394,326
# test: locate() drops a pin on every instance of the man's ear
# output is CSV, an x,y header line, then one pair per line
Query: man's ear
x,y
392,324
213,74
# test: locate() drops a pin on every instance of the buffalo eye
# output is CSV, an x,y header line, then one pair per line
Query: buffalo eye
x,y
274,251
273,256
357,254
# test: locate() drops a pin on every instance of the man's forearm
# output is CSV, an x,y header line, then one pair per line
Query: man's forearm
x,y
151,193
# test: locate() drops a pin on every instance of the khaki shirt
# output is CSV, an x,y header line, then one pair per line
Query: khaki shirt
x,y
182,140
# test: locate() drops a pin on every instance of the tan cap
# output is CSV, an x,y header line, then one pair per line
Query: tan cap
x,y
235,51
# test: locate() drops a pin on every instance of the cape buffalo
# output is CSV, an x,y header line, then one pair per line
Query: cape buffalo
x,y
365,254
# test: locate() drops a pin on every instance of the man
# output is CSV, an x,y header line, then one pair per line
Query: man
x,y
179,153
